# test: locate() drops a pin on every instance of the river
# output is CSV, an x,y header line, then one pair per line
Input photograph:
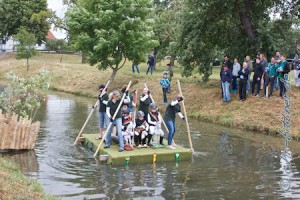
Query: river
x,y
228,163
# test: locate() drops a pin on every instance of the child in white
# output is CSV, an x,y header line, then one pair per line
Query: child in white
x,y
154,120
127,128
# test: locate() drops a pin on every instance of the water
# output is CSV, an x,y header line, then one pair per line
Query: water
x,y
228,164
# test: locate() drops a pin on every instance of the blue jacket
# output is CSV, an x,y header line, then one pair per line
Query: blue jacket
x,y
226,76
165,83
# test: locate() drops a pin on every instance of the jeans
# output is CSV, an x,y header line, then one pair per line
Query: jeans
x,y
248,83
269,79
256,82
242,89
165,90
103,119
281,87
118,123
151,68
171,125
234,83
137,68
226,93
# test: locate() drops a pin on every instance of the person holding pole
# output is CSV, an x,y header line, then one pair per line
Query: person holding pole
x,y
111,109
104,120
172,109
145,102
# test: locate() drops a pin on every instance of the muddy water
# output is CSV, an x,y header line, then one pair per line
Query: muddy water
x,y
228,163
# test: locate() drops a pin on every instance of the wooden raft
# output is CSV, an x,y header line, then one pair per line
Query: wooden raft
x,y
17,134
137,156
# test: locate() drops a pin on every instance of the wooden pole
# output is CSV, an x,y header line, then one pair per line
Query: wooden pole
x,y
186,119
267,91
110,123
162,119
88,118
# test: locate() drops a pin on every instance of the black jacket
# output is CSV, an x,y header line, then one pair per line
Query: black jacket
x,y
226,76
259,70
244,73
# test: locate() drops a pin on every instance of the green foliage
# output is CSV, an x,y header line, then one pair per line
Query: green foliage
x,y
56,45
236,27
33,15
111,31
167,26
26,45
23,96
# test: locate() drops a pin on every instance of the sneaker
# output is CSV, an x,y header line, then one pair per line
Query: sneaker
x,y
106,147
252,94
174,145
145,145
121,150
257,95
171,147
140,146
263,96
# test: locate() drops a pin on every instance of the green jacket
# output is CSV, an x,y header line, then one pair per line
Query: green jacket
x,y
284,66
272,68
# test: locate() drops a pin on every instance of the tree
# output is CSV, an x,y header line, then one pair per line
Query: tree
x,y
26,45
238,27
112,31
167,27
33,15
56,45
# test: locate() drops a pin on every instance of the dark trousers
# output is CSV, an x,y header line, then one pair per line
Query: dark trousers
x,y
242,88
138,139
282,89
254,83
165,90
234,83
270,80
150,68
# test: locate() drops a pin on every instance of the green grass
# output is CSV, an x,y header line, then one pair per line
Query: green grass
x,y
15,185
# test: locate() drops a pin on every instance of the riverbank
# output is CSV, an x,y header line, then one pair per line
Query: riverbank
x,y
202,99
15,185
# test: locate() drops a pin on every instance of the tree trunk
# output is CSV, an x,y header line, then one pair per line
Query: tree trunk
x,y
83,60
244,15
172,61
27,64
113,75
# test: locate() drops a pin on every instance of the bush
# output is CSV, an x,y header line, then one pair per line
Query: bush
x,y
24,96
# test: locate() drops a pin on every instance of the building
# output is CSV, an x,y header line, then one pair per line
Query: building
x,y
8,44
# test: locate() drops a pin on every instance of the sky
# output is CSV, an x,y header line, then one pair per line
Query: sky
x,y
60,9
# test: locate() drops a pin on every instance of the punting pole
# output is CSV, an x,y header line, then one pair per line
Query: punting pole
x,y
110,123
186,119
88,118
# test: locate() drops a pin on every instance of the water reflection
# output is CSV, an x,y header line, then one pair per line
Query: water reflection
x,y
228,164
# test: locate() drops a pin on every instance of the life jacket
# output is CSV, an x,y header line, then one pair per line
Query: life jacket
x,y
153,117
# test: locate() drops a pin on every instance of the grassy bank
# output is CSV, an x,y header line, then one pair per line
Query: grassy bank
x,y
202,99
15,185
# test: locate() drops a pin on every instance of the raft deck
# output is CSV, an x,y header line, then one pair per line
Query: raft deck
x,y
137,156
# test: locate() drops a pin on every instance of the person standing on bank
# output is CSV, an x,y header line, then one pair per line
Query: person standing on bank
x,y
243,73
226,77
151,63
271,70
281,71
111,109
257,77
250,68
236,69
103,118
145,102
172,109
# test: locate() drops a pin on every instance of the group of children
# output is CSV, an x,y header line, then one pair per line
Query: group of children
x,y
140,129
